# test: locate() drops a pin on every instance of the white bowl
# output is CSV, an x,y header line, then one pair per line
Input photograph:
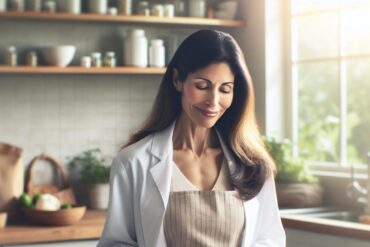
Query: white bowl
x,y
59,56
226,10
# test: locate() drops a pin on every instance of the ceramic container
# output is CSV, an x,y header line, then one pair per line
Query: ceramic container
x,y
136,49
197,8
59,56
98,196
70,6
156,53
98,6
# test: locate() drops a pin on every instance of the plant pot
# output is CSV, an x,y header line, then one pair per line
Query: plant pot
x,y
299,195
98,196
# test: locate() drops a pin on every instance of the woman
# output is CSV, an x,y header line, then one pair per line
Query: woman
x,y
197,173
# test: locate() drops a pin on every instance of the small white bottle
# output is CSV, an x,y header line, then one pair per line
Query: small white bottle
x,y
136,49
98,6
157,10
156,53
11,58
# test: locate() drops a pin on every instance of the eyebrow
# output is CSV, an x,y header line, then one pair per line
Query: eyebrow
x,y
209,81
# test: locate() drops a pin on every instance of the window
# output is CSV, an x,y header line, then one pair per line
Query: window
x,y
330,71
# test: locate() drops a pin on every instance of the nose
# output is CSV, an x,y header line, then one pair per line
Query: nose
x,y
212,98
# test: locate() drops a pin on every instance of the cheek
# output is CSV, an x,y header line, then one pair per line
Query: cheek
x,y
193,95
227,100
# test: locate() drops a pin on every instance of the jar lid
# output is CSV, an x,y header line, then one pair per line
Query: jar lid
x,y
156,42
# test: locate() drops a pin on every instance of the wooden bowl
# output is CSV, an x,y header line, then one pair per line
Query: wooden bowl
x,y
62,217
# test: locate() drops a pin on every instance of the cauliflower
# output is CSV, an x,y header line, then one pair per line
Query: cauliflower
x,y
48,202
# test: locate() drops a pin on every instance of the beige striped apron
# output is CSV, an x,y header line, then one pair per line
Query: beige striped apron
x,y
203,218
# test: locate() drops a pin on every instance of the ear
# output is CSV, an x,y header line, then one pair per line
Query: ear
x,y
175,80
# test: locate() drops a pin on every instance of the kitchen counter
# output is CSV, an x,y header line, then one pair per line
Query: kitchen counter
x,y
89,227
327,226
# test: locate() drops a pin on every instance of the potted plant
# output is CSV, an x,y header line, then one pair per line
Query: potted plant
x,y
93,172
295,185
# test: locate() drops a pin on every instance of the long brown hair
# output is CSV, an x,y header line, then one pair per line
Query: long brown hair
x,y
237,126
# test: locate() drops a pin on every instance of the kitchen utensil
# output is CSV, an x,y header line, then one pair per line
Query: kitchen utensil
x,y
59,56
65,193
62,217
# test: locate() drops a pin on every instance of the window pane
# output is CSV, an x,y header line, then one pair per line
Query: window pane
x,y
358,117
318,119
299,6
315,36
356,31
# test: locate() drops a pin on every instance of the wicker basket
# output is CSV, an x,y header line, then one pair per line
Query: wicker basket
x,y
65,193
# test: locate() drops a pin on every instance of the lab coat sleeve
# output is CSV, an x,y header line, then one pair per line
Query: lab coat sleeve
x,y
269,229
119,229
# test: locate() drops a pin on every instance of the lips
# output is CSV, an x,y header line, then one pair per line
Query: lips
x,y
207,113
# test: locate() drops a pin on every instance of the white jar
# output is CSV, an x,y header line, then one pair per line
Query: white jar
x,y
125,7
169,10
197,8
98,6
86,61
136,49
70,6
156,53
2,5
157,10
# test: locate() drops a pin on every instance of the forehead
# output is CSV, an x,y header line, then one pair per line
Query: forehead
x,y
216,72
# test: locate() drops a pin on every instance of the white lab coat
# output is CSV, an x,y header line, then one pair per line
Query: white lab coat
x,y
139,190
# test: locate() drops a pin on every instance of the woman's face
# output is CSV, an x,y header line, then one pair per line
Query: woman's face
x,y
207,93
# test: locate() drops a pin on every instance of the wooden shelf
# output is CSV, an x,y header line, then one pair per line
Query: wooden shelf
x,y
186,21
80,70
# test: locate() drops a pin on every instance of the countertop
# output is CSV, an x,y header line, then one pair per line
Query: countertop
x,y
89,227
327,226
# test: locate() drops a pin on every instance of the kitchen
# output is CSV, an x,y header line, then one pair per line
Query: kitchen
x,y
65,113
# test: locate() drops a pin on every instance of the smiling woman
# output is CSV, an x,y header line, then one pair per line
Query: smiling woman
x,y
197,169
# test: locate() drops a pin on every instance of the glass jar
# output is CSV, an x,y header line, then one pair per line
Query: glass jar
x,y
109,59
35,5
180,7
50,6
96,59
11,58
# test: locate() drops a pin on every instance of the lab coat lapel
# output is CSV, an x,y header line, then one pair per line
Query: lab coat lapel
x,y
159,183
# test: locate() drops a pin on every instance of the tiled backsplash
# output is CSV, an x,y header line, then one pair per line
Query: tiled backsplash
x,y
66,115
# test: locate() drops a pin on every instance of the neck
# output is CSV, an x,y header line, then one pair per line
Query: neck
x,y
187,136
